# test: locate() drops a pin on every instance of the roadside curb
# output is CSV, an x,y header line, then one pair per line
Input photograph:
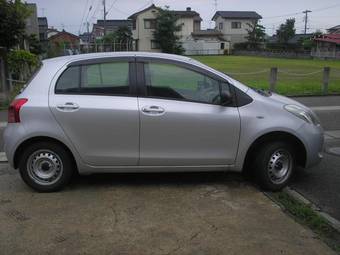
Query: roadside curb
x,y
334,223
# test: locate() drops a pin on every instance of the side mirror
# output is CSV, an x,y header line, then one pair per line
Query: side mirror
x,y
226,98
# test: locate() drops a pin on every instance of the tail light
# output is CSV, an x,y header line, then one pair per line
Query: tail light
x,y
14,110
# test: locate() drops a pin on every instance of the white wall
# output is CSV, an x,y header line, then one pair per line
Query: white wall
x,y
205,47
231,34
145,36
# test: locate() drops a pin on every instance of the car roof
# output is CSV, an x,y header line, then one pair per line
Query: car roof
x,y
72,58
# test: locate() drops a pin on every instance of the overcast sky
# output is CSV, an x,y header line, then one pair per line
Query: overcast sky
x,y
70,14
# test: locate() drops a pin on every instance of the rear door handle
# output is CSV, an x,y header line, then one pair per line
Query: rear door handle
x,y
68,107
153,110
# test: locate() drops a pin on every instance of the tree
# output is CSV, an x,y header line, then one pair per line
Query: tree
x,y
123,34
165,32
256,35
286,31
22,63
35,45
309,43
122,38
12,26
109,38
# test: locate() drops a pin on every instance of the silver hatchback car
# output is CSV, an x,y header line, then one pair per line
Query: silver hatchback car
x,y
144,112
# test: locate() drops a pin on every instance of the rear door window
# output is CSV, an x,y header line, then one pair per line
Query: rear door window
x,y
103,79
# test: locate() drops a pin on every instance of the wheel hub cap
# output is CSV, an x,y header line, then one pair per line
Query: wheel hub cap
x,y
44,167
280,166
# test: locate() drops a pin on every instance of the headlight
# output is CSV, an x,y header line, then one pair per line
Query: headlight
x,y
303,114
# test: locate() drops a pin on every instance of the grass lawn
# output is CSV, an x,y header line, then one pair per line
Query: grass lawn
x,y
288,83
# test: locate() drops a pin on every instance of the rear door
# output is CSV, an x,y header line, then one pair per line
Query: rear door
x,y
182,120
95,104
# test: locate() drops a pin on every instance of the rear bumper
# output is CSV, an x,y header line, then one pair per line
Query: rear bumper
x,y
313,138
12,135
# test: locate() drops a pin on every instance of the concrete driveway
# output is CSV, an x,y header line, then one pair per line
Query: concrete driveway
x,y
148,214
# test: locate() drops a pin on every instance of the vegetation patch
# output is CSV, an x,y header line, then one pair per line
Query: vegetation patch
x,y
304,214
295,76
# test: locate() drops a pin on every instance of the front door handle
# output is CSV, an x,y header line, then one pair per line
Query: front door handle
x,y
153,110
68,107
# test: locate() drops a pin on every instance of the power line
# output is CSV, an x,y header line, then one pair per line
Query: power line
x,y
326,8
115,1
95,11
297,13
215,5
82,18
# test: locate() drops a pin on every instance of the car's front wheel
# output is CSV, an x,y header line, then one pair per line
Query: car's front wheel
x,y
46,167
274,165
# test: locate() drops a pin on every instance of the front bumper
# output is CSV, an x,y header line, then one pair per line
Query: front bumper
x,y
313,139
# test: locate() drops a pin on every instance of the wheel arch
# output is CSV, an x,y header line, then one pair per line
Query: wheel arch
x,y
29,141
300,148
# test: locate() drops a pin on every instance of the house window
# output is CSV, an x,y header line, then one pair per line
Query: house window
x,y
222,46
155,45
149,23
220,26
197,26
134,24
235,25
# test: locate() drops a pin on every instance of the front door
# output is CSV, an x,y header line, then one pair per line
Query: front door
x,y
94,107
182,120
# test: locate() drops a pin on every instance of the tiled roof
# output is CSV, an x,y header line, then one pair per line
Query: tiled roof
x,y
332,38
237,15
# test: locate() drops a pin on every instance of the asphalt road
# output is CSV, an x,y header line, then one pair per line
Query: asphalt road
x,y
321,184
327,108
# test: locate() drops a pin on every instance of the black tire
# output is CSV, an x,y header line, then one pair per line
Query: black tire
x,y
267,165
58,155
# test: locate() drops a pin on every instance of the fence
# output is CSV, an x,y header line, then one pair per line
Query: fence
x,y
66,49
274,54
315,82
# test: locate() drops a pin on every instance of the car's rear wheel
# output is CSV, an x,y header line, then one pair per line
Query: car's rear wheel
x,y
46,167
274,165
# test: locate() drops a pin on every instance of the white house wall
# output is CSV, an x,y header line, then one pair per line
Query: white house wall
x,y
231,34
204,47
145,36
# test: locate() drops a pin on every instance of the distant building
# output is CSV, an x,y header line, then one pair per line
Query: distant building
x,y
66,42
43,27
234,24
327,46
144,24
32,27
51,31
112,25
85,38
334,30
296,39
206,42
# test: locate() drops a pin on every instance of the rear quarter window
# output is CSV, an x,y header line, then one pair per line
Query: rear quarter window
x,y
69,80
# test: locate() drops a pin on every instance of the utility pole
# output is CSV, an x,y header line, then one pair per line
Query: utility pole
x,y
88,27
306,19
104,3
